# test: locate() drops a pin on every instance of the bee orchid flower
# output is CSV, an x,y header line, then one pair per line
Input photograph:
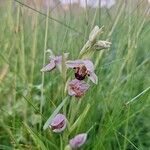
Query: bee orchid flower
x,y
55,61
77,88
82,69
58,123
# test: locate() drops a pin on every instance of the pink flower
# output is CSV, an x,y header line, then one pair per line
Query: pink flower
x,y
55,61
83,68
77,88
78,140
59,123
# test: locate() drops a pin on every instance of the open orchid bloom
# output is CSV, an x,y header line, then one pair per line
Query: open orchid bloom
x,y
78,140
55,61
77,88
59,123
83,68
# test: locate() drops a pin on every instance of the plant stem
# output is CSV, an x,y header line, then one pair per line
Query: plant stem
x,y
44,55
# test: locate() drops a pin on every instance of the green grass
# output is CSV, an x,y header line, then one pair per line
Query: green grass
x,y
123,72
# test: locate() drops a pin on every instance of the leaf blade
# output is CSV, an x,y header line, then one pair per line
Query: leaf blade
x,y
54,114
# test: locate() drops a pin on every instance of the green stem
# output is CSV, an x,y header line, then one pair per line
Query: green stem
x,y
75,105
44,55
34,47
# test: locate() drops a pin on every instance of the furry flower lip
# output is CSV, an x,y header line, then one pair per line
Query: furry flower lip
x,y
78,140
55,61
83,69
59,123
77,88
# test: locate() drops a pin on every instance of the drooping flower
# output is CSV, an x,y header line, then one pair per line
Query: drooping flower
x,y
58,123
55,61
83,68
78,140
77,88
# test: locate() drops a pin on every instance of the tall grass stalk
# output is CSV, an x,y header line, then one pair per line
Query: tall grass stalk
x,y
34,46
44,57
21,49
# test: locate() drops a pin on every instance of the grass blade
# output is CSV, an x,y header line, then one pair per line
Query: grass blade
x,y
35,137
54,114
80,118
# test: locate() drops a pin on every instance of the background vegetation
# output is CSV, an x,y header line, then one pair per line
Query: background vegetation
x,y
123,72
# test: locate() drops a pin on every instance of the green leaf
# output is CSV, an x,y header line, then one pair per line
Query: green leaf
x,y
35,137
54,114
80,118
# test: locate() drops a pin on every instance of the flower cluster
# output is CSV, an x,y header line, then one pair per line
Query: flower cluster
x,y
83,68
93,44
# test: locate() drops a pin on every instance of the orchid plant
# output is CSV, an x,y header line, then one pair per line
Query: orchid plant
x,y
77,87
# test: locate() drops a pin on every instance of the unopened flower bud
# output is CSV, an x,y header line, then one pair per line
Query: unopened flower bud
x,y
99,45
95,32
58,123
78,140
